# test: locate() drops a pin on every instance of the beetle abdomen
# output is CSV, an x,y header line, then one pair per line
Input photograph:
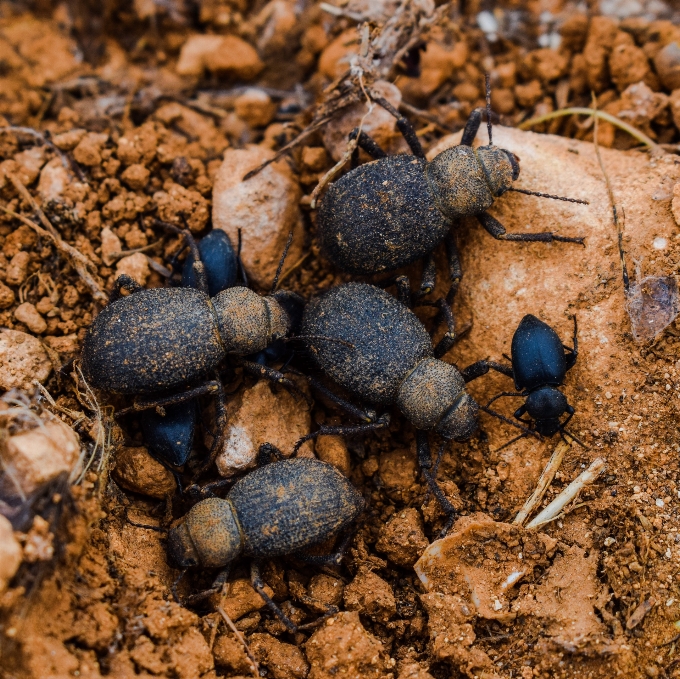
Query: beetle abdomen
x,y
293,504
388,340
380,216
152,341
537,355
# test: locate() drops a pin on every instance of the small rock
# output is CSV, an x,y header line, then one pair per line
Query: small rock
x,y
371,596
17,269
37,456
137,471
139,145
65,344
30,162
255,107
230,655
284,661
27,314
402,538
88,151
23,359
438,63
667,63
334,59
379,124
190,656
326,589
627,62
111,246
6,296
260,416
527,95
314,158
136,266
343,648
265,209
176,203
398,469
242,599
675,203
136,176
10,553
54,178
227,55
39,541
333,449
67,141
22,238
413,671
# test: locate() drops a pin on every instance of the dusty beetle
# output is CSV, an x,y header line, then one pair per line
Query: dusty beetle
x,y
387,358
539,364
281,508
396,209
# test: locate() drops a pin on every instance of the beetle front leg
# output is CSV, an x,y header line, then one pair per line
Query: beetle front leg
x,y
404,125
274,376
366,143
450,336
497,230
428,278
479,368
455,269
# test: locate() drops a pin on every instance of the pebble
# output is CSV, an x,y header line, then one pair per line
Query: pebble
x,y
326,589
175,203
371,596
136,177
17,269
257,416
283,661
255,107
137,471
265,209
402,538
88,151
379,124
37,456
227,55
27,314
23,359
242,599
10,553
6,296
333,449
111,246
667,63
343,648
230,655
413,671
136,266
54,178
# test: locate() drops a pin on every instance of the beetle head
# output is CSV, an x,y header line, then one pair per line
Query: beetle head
x,y
460,421
545,406
500,166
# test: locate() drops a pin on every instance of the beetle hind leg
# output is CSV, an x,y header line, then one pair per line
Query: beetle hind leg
x,y
497,230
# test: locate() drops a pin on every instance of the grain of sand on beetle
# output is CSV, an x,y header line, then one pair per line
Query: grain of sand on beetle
x,y
120,115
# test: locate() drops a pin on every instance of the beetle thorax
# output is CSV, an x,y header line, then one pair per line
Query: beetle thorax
x,y
433,397
248,322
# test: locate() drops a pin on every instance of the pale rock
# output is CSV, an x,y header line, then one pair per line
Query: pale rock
x,y
136,266
23,359
258,416
111,246
675,203
27,314
378,124
265,209
54,178
10,553
137,471
35,457
224,54
30,161
17,269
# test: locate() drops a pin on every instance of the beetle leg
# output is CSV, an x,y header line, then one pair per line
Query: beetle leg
x,y
366,143
274,376
218,584
519,412
211,387
403,286
472,372
471,127
455,269
429,276
218,439
367,416
573,355
450,336
334,559
349,430
504,393
258,586
497,230
124,282
404,125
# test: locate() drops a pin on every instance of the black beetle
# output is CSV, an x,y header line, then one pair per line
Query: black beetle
x,y
161,341
539,364
396,209
220,260
386,357
281,508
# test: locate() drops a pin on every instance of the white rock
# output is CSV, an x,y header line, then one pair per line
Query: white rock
x,y
111,246
22,360
10,553
34,457
265,208
136,266
53,181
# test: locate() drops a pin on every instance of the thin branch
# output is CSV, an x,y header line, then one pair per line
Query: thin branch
x,y
577,110
254,667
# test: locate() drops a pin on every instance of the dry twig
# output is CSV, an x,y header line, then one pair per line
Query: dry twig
x,y
254,667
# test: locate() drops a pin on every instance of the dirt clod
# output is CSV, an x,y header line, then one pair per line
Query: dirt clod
x,y
402,538
371,596
23,359
137,471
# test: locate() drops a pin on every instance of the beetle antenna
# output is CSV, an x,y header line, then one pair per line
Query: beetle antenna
x,y
319,337
548,195
281,261
487,81
528,432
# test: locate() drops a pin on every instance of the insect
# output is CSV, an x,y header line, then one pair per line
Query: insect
x,y
164,345
387,358
398,209
220,260
279,509
539,364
